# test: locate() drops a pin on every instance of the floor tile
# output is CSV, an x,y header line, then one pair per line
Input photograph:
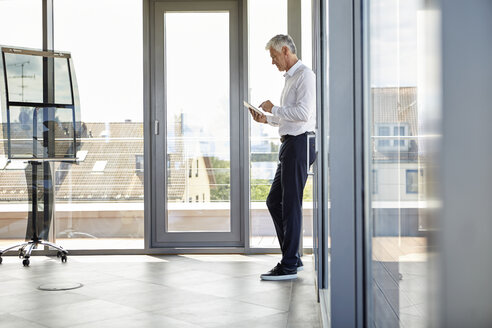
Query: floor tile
x,y
218,313
182,291
235,287
63,316
36,300
10,321
164,299
109,289
278,320
141,320
280,299
189,278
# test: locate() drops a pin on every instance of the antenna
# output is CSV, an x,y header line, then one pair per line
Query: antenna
x,y
22,76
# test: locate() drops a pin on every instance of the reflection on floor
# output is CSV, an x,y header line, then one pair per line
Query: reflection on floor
x,y
400,272
155,291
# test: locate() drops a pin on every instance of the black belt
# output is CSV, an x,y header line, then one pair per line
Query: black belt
x,y
284,137
287,136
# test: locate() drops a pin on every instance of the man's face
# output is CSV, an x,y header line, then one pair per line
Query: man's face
x,y
278,59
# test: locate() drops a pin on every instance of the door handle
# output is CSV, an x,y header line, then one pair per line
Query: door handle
x,y
308,139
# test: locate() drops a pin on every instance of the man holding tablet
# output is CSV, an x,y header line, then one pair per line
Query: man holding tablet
x,y
295,119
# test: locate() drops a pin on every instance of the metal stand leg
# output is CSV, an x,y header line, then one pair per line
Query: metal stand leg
x,y
31,245
26,248
23,245
42,242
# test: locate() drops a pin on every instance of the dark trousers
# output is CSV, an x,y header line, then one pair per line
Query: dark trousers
x,y
285,198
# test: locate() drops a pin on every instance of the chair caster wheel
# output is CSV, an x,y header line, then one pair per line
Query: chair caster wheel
x,y
1,260
59,254
25,262
64,258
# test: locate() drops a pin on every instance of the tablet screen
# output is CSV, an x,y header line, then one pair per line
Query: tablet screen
x,y
248,105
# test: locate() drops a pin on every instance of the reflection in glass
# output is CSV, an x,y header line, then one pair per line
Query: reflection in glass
x,y
22,127
63,93
25,77
400,252
198,105
29,128
33,130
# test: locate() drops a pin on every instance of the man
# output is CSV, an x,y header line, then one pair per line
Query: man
x,y
296,119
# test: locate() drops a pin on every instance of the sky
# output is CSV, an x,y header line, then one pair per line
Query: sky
x,y
393,42
106,47
265,81
197,64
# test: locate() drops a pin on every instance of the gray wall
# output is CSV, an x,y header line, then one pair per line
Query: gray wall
x,y
466,221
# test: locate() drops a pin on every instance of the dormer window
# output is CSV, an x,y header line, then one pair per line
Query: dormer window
x,y
139,164
385,136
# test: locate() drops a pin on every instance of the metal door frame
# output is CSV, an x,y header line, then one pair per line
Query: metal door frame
x,y
160,238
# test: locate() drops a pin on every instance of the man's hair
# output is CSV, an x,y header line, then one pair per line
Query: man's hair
x,y
280,40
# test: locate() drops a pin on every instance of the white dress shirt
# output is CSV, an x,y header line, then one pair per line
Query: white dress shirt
x,y
297,111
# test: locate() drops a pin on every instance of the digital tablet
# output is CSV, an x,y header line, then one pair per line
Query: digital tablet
x,y
248,105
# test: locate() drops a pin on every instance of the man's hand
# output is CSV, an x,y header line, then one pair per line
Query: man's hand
x,y
260,118
267,106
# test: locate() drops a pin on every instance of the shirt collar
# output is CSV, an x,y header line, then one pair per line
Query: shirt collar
x,y
293,69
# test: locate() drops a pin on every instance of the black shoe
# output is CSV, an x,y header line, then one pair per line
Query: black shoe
x,y
279,273
300,266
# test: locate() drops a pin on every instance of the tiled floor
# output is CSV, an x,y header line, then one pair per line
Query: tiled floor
x,y
155,291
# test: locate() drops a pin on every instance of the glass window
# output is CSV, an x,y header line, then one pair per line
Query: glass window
x,y
100,200
374,181
399,131
386,130
383,132
198,131
307,59
25,77
412,182
266,19
29,126
307,32
139,164
62,82
400,253
20,26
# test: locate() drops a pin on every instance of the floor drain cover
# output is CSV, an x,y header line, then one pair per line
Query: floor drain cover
x,y
60,286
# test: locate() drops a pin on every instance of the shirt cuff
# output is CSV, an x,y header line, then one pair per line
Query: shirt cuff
x,y
275,110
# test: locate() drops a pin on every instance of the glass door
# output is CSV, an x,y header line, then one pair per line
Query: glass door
x,y
196,126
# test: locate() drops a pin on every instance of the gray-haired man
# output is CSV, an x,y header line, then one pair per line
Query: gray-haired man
x,y
295,118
